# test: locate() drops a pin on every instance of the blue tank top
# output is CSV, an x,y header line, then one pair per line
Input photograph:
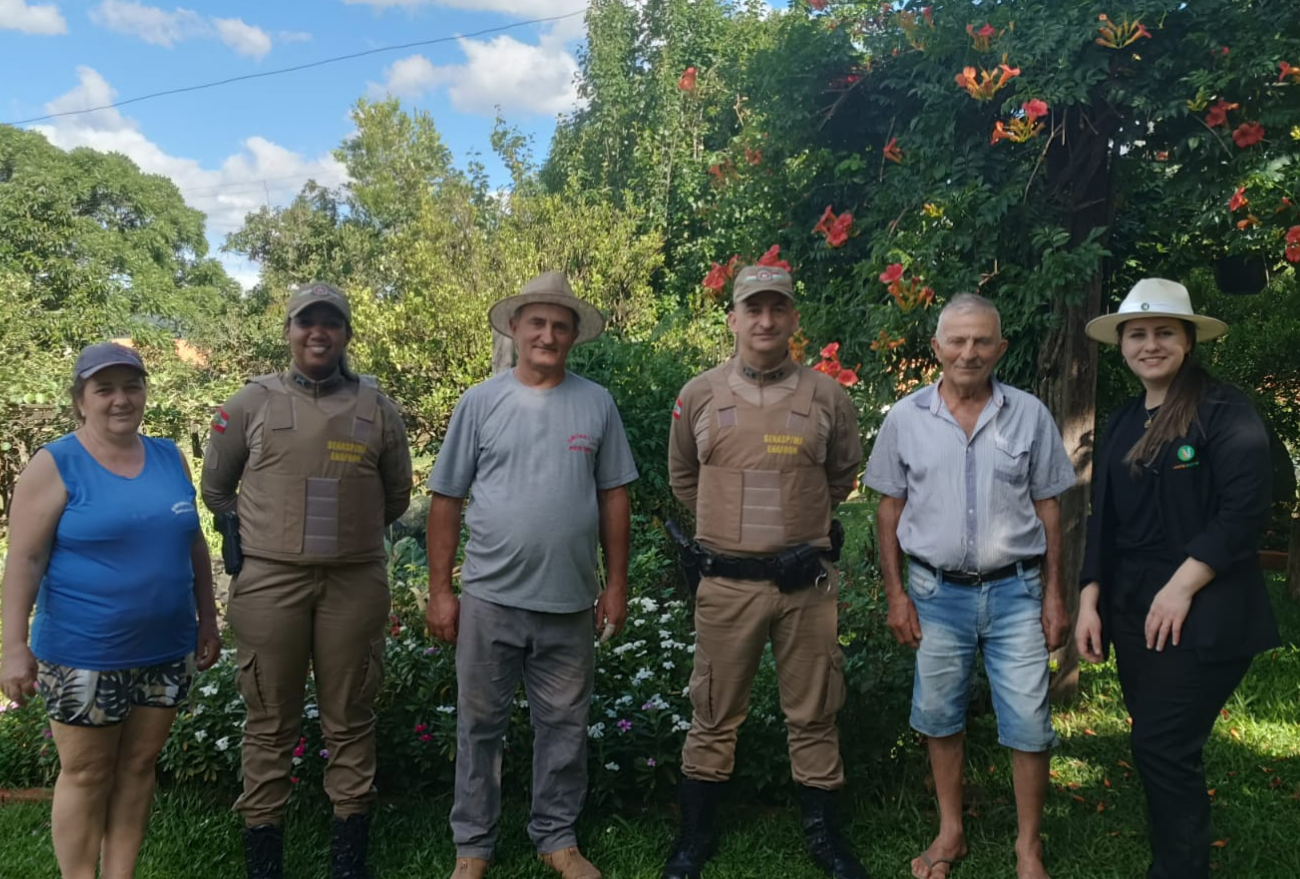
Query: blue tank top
x,y
119,588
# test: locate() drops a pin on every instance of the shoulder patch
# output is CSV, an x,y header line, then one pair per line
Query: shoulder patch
x,y
677,409
220,420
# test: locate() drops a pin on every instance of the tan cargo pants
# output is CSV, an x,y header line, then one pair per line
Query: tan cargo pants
x,y
734,620
286,617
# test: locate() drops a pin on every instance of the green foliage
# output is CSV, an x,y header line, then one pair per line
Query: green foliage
x,y
791,113
92,249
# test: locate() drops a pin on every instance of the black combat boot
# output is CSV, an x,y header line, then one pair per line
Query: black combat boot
x,y
264,851
349,841
696,843
826,843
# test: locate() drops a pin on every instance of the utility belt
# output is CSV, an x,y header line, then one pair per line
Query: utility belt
x,y
792,569
973,578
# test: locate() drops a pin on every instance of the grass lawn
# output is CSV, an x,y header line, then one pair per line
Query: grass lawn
x,y
1095,822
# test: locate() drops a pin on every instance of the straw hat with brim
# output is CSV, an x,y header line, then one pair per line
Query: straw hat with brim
x,y
551,288
1154,297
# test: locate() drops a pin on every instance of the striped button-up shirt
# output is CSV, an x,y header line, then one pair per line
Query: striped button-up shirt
x,y
969,500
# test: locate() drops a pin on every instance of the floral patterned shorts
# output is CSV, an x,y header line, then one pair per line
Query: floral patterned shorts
x,y
85,697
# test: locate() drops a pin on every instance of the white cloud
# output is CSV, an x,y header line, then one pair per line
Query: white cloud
x,y
149,23
410,78
243,38
260,173
502,72
294,37
16,15
162,28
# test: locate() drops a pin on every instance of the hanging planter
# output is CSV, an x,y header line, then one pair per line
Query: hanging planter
x,y
1241,275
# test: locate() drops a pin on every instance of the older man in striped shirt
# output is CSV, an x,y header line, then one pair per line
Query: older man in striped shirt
x,y
969,470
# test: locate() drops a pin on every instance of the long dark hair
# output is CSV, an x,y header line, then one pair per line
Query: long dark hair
x,y
1178,410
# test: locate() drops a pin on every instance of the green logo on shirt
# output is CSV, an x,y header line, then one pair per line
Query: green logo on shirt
x,y
1186,453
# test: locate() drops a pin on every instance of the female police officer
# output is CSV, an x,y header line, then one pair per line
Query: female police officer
x,y
314,461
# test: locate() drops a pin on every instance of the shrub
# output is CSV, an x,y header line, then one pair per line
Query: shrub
x,y
640,708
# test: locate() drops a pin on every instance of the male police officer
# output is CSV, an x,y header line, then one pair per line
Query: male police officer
x,y
315,462
762,450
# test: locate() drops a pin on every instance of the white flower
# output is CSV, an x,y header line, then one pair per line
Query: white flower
x,y
209,690
686,690
638,622
610,712
596,731
446,709
665,618
612,766
311,711
622,700
649,605
222,743
690,648
198,709
642,674
200,735
656,702
668,663
681,726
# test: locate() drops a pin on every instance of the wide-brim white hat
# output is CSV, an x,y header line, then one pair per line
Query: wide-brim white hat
x,y
1155,297
551,288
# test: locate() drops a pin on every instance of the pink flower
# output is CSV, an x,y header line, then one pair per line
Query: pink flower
x,y
892,274
1293,235
1238,199
687,81
1292,253
419,728
831,351
847,377
624,725
1035,109
426,738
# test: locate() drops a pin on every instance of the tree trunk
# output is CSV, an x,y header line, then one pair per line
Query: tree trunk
x,y
1078,177
503,352
1293,558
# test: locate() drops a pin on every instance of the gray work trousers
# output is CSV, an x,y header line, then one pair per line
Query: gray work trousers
x,y
553,652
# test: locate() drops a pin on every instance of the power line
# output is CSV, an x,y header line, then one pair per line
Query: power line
x,y
297,67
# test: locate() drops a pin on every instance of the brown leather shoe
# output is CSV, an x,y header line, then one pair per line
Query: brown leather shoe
x,y
570,864
470,868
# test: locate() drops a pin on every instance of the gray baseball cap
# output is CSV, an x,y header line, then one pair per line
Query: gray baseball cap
x,y
320,293
102,355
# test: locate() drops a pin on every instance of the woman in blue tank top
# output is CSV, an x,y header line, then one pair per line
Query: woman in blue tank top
x,y
104,539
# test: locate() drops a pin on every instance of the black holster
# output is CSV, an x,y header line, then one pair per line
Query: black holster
x,y
689,556
232,552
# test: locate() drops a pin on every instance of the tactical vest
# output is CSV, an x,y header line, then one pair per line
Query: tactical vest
x,y
314,493
761,486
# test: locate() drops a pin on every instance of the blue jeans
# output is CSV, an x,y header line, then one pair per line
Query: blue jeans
x,y
1002,618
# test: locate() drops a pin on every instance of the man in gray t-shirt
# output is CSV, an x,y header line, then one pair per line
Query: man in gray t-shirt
x,y
543,458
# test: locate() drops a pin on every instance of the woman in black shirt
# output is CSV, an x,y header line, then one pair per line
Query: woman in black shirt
x,y
1171,574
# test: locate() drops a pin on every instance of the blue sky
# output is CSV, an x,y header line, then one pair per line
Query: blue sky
x,y
233,148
